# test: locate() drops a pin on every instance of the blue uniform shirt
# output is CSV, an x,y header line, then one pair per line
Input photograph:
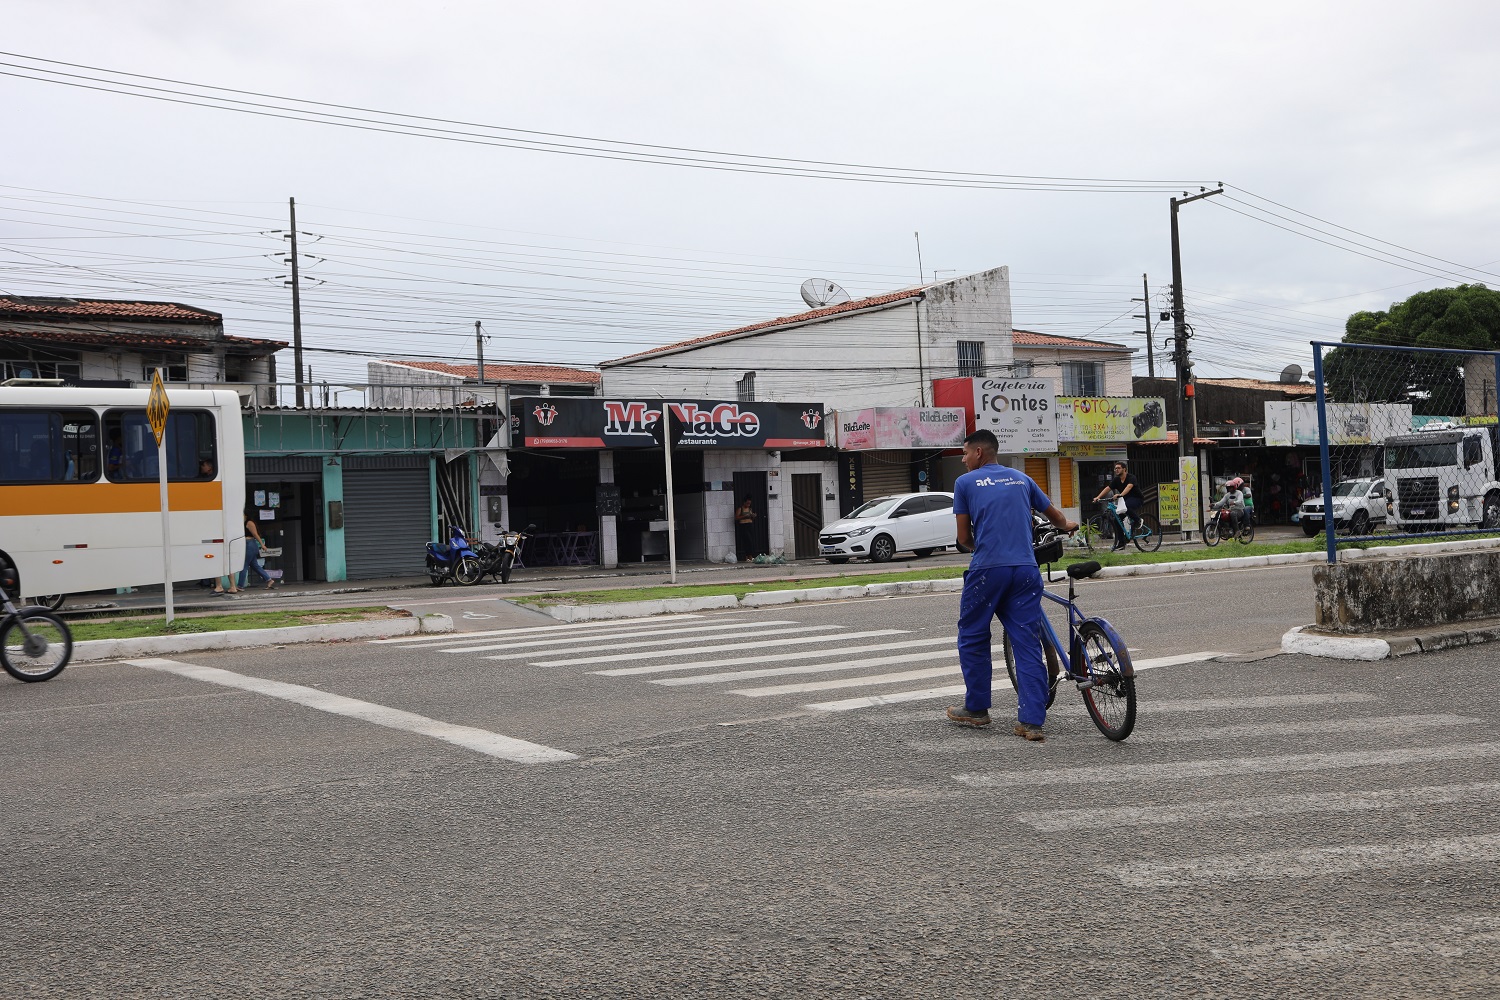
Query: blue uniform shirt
x,y
999,501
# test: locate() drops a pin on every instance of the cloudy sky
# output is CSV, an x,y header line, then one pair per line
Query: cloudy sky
x,y
588,249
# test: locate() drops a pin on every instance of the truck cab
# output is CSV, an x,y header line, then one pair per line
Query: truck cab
x,y
1442,478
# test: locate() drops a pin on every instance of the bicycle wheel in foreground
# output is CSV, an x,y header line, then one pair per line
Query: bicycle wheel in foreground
x,y
1049,657
1110,698
1148,537
40,650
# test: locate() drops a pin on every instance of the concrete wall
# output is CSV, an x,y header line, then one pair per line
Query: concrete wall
x,y
1047,362
1385,594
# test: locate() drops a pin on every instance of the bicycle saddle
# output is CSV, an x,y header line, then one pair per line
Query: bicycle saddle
x,y
1080,570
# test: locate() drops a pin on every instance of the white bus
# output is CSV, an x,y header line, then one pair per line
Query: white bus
x,y
80,502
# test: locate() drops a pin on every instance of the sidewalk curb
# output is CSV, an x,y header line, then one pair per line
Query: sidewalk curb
x,y
93,650
1340,648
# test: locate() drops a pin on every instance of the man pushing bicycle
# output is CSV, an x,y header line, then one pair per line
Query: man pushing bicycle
x,y
992,505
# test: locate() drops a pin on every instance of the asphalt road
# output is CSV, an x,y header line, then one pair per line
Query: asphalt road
x,y
351,820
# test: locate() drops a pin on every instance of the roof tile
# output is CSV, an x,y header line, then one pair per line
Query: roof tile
x,y
66,308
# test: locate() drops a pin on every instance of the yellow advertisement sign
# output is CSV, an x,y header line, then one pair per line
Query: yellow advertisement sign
x,y
1111,418
1169,510
1187,479
1082,450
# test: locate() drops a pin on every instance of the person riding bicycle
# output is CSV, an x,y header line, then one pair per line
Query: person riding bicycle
x,y
1233,501
1123,486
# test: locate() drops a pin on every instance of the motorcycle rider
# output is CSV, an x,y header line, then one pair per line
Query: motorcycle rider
x,y
1233,501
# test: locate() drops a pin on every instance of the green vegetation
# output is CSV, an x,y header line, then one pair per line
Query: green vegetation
x,y
129,628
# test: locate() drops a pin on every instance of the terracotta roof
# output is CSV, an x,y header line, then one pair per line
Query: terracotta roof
x,y
1291,388
100,338
855,305
505,373
1028,338
66,308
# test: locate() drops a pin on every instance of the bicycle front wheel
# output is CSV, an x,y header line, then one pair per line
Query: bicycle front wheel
x,y
1049,657
35,645
1110,694
1148,534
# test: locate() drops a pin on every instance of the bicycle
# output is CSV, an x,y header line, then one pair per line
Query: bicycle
x,y
35,644
1097,661
1147,536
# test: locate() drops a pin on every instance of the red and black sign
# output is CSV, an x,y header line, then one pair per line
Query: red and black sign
x,y
589,422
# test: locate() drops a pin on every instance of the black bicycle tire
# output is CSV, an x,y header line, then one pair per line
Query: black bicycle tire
x,y
1153,536
29,615
1101,525
1108,683
1049,657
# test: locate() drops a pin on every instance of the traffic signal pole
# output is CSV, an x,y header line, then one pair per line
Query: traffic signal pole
x,y
1187,403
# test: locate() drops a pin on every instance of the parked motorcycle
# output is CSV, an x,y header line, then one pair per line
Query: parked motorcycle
x,y
455,561
500,559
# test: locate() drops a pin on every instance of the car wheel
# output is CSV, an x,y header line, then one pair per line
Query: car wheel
x,y
1492,510
838,560
924,553
882,549
1359,524
1309,528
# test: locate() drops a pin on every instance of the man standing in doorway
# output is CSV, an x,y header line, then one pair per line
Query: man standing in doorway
x,y
992,505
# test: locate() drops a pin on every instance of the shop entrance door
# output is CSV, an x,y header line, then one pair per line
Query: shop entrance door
x,y
752,486
807,513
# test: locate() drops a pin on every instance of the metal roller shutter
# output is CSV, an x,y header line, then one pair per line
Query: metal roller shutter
x,y
1038,469
387,522
886,472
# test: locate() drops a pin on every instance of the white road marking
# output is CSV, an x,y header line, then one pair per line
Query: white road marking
x,y
774,657
1189,770
480,740
1172,661
601,638
577,661
1059,820
844,682
815,668
1313,862
1264,701
876,700
1389,725
559,629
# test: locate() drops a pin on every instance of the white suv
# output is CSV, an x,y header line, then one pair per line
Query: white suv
x,y
1358,505
918,522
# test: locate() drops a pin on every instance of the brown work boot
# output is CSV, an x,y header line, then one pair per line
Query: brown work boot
x,y
1027,731
964,717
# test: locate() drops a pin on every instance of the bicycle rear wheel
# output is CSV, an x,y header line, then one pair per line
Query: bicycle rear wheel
x,y
1148,535
1049,657
35,645
1110,694
1102,526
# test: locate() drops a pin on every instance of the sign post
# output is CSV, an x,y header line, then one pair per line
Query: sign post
x,y
157,408
1188,499
666,447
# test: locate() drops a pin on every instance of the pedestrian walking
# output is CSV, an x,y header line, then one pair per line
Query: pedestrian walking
x,y
992,506
744,529
253,545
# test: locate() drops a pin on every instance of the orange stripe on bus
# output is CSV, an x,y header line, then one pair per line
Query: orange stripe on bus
x,y
107,498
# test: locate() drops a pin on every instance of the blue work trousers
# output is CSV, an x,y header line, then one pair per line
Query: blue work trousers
x,y
1014,593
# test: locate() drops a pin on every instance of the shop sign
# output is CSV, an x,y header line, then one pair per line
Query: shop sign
x,y
1348,423
1169,510
1082,450
1187,481
1020,412
590,422
899,427
1111,418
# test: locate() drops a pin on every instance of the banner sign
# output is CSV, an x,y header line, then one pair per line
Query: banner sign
x,y
1348,423
1188,491
1082,450
1168,507
899,427
590,422
1020,412
1111,418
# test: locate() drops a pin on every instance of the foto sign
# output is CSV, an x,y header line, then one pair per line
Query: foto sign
x,y
1021,413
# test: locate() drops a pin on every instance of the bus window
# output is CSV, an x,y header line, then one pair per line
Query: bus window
x,y
49,446
131,456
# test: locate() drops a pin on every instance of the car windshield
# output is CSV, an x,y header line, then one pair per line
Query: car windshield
x,y
1421,456
875,508
1351,489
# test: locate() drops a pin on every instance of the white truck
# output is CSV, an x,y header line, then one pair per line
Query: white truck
x,y
1442,478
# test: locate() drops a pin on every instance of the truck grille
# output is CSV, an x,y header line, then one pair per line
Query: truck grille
x,y
1417,498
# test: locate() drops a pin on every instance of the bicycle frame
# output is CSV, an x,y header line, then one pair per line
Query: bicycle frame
x,y
1074,653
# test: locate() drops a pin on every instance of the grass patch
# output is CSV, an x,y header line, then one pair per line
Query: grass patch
x,y
134,627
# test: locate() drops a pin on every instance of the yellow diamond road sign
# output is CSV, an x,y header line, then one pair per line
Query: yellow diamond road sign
x,y
157,407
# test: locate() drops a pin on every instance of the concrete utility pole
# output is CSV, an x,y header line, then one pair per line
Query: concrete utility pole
x,y
1187,405
1145,301
479,345
296,307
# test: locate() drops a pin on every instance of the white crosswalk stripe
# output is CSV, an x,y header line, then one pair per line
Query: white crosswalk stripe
x,y
416,640
843,682
611,658
813,668
778,657
598,638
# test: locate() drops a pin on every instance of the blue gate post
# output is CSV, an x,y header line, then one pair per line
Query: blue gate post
x,y
1328,523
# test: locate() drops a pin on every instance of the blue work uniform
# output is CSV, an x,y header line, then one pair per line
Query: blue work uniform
x,y
1002,579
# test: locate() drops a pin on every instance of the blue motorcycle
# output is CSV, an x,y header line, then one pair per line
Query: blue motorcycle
x,y
456,561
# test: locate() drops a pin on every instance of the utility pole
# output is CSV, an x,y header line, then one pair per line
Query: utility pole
x,y
1145,301
1187,404
479,346
296,307
917,312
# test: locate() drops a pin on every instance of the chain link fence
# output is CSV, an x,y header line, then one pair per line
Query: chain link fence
x,y
1407,443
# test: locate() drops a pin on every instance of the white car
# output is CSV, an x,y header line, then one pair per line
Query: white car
x,y
916,522
1358,505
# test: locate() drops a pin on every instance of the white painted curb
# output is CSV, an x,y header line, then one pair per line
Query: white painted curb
x,y
639,609
1334,648
192,642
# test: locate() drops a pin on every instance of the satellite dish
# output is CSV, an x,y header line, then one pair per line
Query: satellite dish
x,y
1291,375
820,292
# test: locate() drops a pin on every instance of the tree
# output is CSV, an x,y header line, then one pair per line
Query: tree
x,y
1464,319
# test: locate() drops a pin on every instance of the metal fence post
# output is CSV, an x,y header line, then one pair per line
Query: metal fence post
x,y
1328,522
